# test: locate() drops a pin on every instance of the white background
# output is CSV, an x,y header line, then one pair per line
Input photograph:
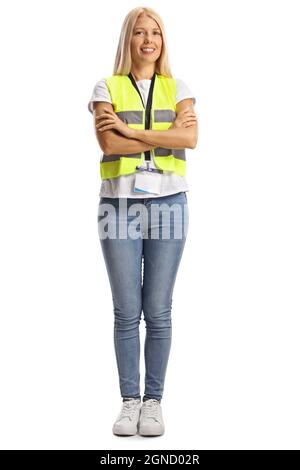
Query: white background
x,y
233,374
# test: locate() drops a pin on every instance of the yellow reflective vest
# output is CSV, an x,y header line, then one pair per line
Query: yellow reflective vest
x,y
159,113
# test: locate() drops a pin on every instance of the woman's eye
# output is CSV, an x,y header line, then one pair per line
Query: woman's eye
x,y
155,32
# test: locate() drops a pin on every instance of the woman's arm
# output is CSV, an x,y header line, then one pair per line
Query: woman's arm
x,y
118,144
177,138
170,138
111,142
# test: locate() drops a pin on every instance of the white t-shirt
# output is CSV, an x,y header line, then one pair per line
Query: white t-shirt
x,y
123,185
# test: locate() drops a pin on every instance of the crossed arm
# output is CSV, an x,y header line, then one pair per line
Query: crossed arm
x,y
178,138
147,140
111,142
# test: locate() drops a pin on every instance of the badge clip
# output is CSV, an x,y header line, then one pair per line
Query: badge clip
x,y
151,170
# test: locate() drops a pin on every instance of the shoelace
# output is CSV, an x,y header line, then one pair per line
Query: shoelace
x,y
151,409
128,409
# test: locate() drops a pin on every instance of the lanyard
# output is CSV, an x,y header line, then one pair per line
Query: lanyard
x,y
148,108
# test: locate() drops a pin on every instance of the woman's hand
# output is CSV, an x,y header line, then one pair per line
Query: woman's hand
x,y
110,120
185,118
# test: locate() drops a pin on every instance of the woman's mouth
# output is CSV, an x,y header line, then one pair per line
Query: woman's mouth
x,y
147,50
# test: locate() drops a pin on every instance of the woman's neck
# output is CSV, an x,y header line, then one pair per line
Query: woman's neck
x,y
143,73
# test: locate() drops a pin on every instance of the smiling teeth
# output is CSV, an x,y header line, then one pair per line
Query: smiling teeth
x,y
148,50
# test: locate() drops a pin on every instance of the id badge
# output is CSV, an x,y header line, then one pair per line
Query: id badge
x,y
148,182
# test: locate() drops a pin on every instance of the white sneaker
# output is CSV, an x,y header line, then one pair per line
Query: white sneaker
x,y
151,421
127,420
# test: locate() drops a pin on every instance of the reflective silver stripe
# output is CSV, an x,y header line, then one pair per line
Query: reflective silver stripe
x,y
131,117
112,158
161,152
178,153
164,115
136,117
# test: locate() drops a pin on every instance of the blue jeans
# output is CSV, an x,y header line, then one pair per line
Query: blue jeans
x,y
133,238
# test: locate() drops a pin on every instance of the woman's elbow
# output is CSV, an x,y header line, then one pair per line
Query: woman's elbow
x,y
193,138
104,142
194,143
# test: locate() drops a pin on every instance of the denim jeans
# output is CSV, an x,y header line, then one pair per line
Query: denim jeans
x,y
142,250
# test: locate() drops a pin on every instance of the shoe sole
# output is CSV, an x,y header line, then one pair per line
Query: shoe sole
x,y
116,433
153,434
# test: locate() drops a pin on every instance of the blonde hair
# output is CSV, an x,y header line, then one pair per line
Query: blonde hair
x,y
123,61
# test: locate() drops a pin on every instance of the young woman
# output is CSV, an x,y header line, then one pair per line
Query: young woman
x,y
144,120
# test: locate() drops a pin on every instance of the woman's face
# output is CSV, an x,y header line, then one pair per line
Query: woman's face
x,y
146,34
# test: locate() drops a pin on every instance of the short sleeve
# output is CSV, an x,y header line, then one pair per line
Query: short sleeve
x,y
183,91
100,93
